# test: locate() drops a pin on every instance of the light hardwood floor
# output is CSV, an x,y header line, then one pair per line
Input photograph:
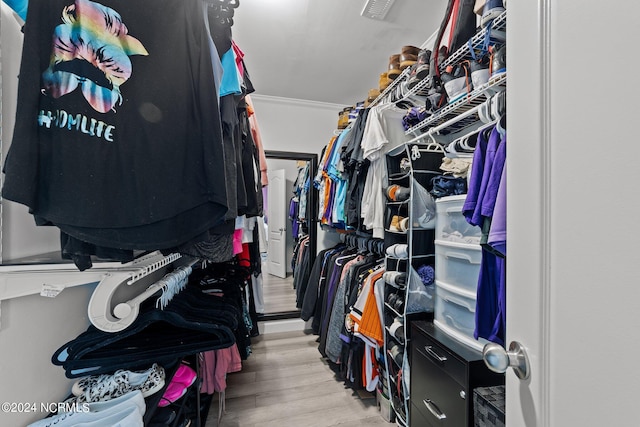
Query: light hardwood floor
x,y
286,382
279,294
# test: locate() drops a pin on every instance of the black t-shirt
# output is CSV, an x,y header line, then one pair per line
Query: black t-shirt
x,y
118,123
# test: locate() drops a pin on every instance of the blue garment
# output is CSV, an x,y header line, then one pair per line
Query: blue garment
x,y
340,198
19,6
491,307
332,166
230,83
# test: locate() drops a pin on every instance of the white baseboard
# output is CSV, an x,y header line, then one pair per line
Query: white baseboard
x,y
285,325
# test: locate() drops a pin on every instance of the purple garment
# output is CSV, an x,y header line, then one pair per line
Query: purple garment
x,y
489,158
491,298
498,233
475,179
493,183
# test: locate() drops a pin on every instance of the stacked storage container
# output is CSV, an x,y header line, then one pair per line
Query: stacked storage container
x,y
458,258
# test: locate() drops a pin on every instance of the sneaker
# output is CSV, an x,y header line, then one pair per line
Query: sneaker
x,y
395,278
397,329
116,416
492,9
397,193
479,72
422,68
499,62
457,82
107,387
399,250
184,375
180,383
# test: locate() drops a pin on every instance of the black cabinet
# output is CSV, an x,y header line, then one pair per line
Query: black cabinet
x,y
444,373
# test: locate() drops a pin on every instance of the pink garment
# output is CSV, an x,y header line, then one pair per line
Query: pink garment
x,y
237,241
215,366
255,133
239,55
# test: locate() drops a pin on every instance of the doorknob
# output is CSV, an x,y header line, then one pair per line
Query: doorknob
x,y
498,359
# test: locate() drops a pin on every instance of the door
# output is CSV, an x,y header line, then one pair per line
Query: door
x,y
277,225
573,265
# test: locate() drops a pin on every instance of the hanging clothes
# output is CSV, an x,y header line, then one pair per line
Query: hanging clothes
x,y
103,146
487,186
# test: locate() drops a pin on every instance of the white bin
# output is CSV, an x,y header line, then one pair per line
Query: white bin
x,y
458,264
451,225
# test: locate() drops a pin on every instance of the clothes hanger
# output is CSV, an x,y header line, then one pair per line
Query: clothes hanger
x,y
126,287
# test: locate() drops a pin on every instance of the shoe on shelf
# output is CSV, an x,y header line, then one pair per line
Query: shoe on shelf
x,y
479,72
397,353
492,9
498,62
394,67
395,278
397,329
399,250
184,378
397,193
397,224
457,81
409,56
384,81
106,387
122,415
422,69
373,94
184,375
163,417
343,119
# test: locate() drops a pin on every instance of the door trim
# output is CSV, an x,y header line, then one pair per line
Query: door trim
x,y
312,197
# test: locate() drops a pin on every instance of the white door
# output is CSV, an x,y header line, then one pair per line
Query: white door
x,y
277,224
573,265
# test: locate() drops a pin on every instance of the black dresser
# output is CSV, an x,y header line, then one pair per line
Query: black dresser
x,y
444,374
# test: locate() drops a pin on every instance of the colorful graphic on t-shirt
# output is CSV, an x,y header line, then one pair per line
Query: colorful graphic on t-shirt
x,y
91,49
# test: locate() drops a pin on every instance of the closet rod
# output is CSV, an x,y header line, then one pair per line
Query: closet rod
x,y
436,130
477,130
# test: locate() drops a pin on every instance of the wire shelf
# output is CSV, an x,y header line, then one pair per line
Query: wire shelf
x,y
392,86
499,25
461,106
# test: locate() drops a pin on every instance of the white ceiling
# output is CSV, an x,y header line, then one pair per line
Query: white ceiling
x,y
323,50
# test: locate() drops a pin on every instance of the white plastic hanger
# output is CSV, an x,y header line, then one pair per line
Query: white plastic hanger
x,y
114,304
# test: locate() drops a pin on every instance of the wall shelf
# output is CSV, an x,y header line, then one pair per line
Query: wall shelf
x,y
453,115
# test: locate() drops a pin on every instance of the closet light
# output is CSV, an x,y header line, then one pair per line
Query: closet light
x,y
376,9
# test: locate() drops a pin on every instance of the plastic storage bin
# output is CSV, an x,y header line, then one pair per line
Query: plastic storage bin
x,y
455,314
458,265
451,226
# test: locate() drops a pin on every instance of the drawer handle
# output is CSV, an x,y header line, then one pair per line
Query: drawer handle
x,y
431,352
434,409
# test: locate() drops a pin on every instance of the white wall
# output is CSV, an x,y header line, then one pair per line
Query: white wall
x,y
295,124
300,126
32,328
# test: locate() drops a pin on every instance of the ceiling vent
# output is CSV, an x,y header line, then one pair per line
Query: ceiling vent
x,y
377,9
